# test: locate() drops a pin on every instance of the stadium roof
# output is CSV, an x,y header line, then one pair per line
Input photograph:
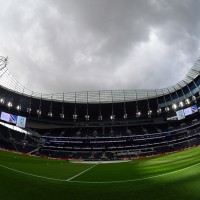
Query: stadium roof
x,y
104,96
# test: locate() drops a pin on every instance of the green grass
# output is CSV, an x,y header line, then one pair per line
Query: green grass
x,y
172,176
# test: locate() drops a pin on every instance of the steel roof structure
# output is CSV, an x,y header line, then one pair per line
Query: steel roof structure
x,y
7,81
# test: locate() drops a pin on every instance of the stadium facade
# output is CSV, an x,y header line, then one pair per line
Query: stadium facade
x,y
111,124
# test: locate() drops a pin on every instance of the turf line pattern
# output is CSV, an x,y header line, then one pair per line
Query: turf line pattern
x,y
100,182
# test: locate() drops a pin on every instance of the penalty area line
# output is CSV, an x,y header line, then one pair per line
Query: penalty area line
x,y
100,182
44,177
73,177
137,179
37,176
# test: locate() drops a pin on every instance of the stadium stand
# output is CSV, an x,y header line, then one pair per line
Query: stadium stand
x,y
99,125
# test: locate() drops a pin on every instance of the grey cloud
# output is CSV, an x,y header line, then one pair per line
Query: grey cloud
x,y
75,45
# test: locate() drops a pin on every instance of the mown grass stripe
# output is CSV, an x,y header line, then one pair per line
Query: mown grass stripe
x,y
100,182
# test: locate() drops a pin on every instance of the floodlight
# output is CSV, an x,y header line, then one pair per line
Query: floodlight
x,y
187,101
138,114
87,117
167,109
50,114
75,116
174,106
29,110
149,113
159,110
9,104
181,104
112,117
39,112
125,116
194,98
2,101
18,107
100,117
62,116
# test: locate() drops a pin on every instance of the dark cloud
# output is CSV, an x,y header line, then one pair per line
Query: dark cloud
x,y
75,45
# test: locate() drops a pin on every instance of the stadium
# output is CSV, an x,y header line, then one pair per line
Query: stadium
x,y
100,144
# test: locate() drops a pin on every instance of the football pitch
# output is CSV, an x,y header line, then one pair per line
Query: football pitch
x,y
171,176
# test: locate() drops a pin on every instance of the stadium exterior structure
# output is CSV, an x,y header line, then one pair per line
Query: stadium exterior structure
x,y
102,121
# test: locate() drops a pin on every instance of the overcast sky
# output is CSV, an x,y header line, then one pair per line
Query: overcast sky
x,y
79,45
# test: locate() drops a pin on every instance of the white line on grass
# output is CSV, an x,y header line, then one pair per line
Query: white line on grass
x,y
138,179
73,177
44,177
100,182
21,172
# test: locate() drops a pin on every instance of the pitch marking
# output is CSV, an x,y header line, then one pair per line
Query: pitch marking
x,y
44,177
101,182
138,179
69,179
21,172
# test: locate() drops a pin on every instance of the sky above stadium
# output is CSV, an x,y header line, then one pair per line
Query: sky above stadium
x,y
78,45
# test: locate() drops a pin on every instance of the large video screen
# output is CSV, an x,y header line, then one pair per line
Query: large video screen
x,y
9,118
191,110
13,119
180,114
21,122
